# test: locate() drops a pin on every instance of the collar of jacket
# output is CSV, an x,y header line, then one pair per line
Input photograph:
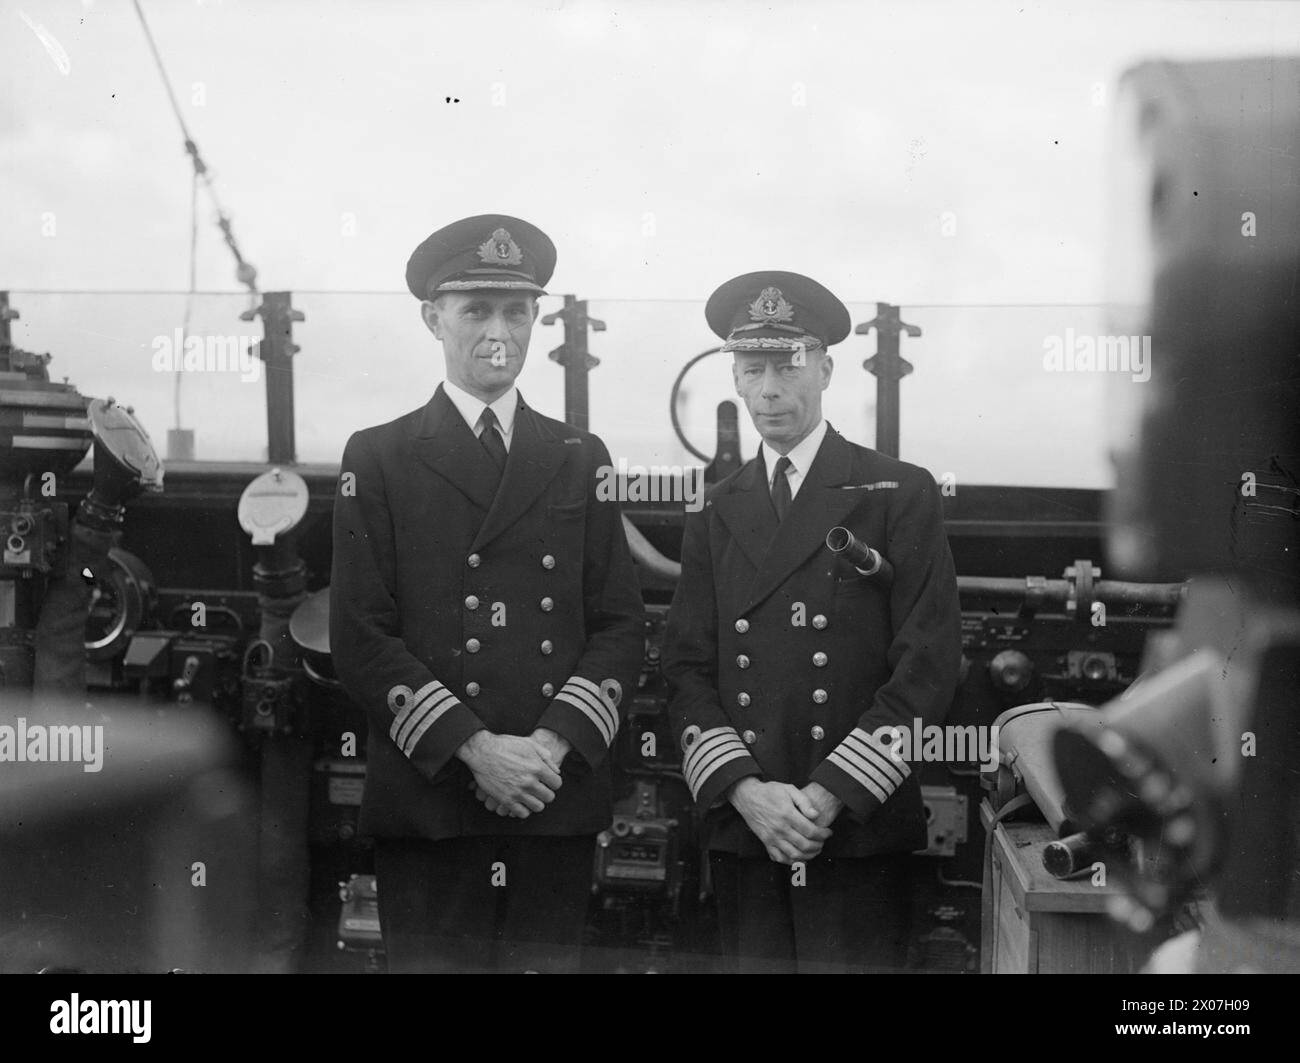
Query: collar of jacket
x,y
445,443
820,505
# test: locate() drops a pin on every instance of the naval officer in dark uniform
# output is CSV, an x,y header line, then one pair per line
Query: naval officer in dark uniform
x,y
486,616
789,665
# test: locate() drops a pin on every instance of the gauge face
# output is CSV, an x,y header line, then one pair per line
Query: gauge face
x,y
121,594
106,618
123,439
272,505
639,854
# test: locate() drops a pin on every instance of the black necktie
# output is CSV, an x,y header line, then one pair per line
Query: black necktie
x,y
491,439
781,489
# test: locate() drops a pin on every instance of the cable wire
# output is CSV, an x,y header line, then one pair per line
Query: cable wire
x,y
245,273
189,296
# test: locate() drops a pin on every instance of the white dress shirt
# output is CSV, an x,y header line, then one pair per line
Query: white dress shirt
x,y
801,458
472,409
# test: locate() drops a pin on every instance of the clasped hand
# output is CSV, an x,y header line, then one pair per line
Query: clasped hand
x,y
792,824
514,776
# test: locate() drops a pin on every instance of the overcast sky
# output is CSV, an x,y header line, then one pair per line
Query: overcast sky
x,y
664,145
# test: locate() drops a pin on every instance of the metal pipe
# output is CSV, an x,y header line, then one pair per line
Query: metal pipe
x,y
1113,592
644,553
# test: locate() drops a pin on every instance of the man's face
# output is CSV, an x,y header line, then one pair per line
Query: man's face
x,y
484,337
783,392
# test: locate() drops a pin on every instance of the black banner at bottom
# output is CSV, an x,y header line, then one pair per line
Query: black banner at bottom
x,y
247,1012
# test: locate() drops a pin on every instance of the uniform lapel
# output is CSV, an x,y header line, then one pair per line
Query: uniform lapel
x,y
747,512
533,461
445,443
820,505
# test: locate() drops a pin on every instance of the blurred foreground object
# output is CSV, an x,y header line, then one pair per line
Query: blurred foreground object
x,y
126,837
1204,262
1197,760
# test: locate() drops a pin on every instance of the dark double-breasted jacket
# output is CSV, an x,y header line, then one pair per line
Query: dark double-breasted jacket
x,y
458,604
787,664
